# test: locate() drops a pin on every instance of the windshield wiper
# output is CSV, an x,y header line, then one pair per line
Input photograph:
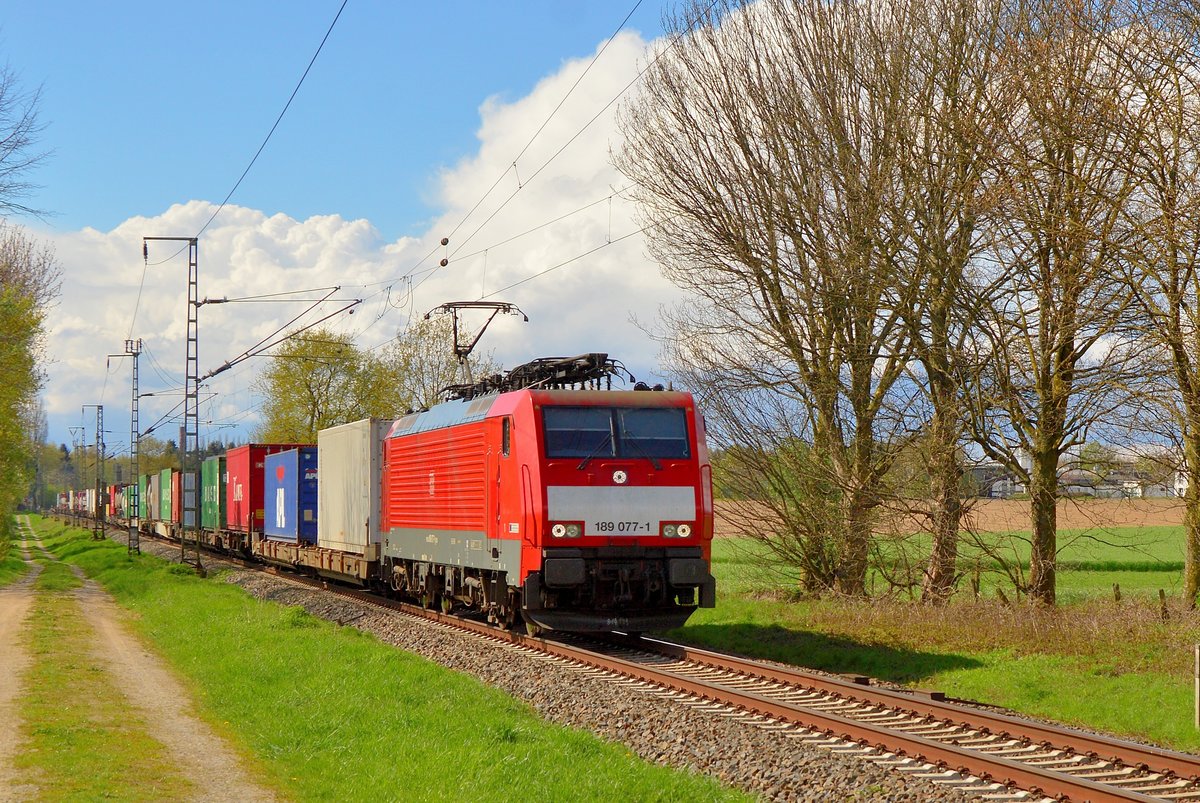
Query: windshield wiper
x,y
594,452
633,442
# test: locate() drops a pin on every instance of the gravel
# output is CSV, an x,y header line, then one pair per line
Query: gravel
x,y
769,764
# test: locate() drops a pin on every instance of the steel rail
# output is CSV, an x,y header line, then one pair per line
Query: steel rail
x,y
1155,759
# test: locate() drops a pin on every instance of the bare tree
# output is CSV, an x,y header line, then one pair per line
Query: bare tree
x,y
19,130
767,174
942,176
1161,120
1057,190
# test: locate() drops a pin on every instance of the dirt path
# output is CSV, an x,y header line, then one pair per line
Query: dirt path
x,y
196,750
15,602
201,755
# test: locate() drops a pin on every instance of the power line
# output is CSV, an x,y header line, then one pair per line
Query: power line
x,y
546,122
245,172
678,36
566,262
286,106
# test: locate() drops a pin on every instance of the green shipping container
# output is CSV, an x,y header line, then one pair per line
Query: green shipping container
x,y
143,486
212,493
164,495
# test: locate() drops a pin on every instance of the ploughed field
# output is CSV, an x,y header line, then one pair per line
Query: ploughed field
x,y
1004,515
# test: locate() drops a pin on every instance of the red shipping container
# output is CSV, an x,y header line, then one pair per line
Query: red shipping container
x,y
244,484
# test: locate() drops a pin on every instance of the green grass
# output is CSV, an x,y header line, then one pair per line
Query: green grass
x,y
332,714
56,576
1091,662
12,568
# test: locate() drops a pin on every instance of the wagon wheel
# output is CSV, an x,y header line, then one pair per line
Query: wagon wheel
x,y
447,604
532,629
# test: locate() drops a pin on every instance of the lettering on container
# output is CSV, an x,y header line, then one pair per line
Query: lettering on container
x,y
280,510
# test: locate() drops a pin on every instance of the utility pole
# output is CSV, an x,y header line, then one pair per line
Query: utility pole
x,y
189,445
98,518
132,349
77,444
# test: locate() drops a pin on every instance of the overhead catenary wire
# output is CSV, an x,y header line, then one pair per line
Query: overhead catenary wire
x,y
546,122
675,39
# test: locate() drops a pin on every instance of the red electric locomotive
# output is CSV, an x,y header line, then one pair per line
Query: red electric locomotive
x,y
574,509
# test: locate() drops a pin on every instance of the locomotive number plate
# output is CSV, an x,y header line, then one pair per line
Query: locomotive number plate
x,y
630,527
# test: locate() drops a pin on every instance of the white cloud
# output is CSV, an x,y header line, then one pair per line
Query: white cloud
x,y
583,306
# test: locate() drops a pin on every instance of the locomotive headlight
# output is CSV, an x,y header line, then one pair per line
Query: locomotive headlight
x,y
684,530
573,531
558,530
669,531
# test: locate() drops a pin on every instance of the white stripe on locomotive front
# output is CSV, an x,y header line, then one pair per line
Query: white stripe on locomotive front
x,y
594,505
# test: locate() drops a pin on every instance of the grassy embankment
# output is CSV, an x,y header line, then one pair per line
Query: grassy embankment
x,y
328,713
1092,662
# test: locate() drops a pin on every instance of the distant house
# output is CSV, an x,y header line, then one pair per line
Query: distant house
x,y
988,480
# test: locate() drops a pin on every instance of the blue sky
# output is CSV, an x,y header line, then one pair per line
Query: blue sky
x,y
412,110
150,104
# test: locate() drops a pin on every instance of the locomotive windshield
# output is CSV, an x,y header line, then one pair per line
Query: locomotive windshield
x,y
597,432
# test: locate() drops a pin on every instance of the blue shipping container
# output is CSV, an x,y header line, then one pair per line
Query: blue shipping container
x,y
290,495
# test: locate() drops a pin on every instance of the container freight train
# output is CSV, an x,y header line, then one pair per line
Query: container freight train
x,y
534,496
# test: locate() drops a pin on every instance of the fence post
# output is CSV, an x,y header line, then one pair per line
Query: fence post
x,y
1198,686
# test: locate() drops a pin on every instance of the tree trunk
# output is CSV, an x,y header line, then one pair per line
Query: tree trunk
x,y
945,473
1043,497
1191,519
851,576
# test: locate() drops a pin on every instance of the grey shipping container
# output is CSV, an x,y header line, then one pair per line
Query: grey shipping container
x,y
348,499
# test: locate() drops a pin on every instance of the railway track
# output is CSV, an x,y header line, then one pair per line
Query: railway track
x,y
986,754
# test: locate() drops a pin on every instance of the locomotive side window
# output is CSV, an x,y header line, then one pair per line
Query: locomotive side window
x,y
578,431
505,436
653,432
634,432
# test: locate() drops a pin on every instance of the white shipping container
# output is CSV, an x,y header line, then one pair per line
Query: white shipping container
x,y
348,493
